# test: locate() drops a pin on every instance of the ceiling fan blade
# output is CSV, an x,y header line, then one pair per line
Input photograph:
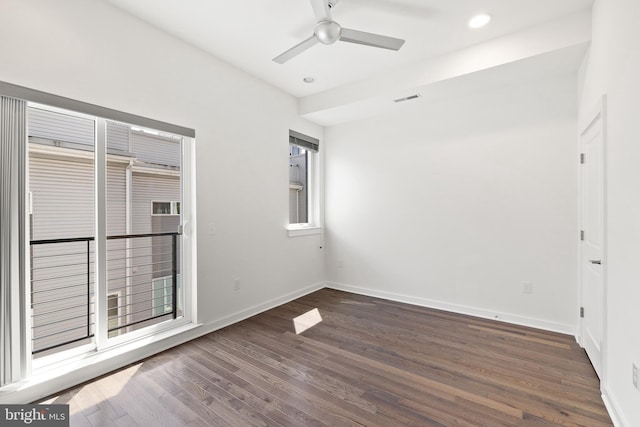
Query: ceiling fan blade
x,y
321,10
296,50
370,39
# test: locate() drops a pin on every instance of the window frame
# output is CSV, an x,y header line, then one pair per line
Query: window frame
x,y
102,341
174,208
313,224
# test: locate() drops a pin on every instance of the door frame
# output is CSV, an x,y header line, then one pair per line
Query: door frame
x,y
599,110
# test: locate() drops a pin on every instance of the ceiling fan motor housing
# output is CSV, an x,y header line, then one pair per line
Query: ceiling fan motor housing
x,y
328,32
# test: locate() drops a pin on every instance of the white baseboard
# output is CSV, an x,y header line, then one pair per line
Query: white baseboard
x,y
259,308
97,364
609,400
613,408
458,308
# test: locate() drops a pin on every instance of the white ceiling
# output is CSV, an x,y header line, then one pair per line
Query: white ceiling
x,y
250,33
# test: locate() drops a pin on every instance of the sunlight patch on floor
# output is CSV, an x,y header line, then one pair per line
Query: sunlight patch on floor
x,y
307,320
95,393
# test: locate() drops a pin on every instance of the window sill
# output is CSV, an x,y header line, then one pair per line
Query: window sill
x,y
77,370
294,231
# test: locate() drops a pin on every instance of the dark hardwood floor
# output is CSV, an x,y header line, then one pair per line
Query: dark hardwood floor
x,y
369,362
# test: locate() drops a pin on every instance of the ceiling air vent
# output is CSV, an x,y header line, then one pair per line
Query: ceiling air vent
x,y
407,98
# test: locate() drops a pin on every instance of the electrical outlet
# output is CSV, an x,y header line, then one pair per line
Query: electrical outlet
x,y
634,376
211,229
236,284
340,263
527,287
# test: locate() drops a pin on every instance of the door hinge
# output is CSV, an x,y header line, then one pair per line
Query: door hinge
x,y
582,158
581,311
582,235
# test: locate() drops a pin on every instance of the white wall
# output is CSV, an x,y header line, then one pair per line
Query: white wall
x,y
613,68
454,203
91,51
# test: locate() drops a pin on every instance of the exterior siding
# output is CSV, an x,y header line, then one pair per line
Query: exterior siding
x,y
62,197
151,187
117,136
116,226
145,189
63,207
116,199
156,150
61,127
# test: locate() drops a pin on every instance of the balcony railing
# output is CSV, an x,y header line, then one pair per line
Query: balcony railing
x,y
141,287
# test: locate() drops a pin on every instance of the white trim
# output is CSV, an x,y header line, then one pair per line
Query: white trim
x,y
612,406
78,370
296,230
150,170
598,111
146,333
128,249
100,244
154,133
40,150
515,319
313,182
264,306
188,210
50,100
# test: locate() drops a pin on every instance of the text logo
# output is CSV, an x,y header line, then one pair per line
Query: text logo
x,y
34,415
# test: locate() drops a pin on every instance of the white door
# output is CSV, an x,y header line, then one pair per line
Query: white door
x,y
592,261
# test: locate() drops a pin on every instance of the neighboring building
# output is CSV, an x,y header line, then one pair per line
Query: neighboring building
x,y
298,188
143,197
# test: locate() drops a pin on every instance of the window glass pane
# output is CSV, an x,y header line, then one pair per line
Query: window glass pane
x,y
161,208
298,184
142,201
61,187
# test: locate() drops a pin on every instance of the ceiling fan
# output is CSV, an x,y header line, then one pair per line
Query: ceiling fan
x,y
328,31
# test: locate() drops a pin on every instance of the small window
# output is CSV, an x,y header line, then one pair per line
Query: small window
x,y
165,208
303,151
113,313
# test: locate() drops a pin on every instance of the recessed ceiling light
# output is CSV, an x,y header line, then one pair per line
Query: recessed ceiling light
x,y
308,80
479,21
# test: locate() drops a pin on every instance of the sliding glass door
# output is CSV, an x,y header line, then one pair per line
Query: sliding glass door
x,y
106,213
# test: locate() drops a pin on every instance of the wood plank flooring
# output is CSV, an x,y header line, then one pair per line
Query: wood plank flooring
x,y
368,362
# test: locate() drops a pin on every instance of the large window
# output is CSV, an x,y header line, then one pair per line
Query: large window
x,y
303,153
109,201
